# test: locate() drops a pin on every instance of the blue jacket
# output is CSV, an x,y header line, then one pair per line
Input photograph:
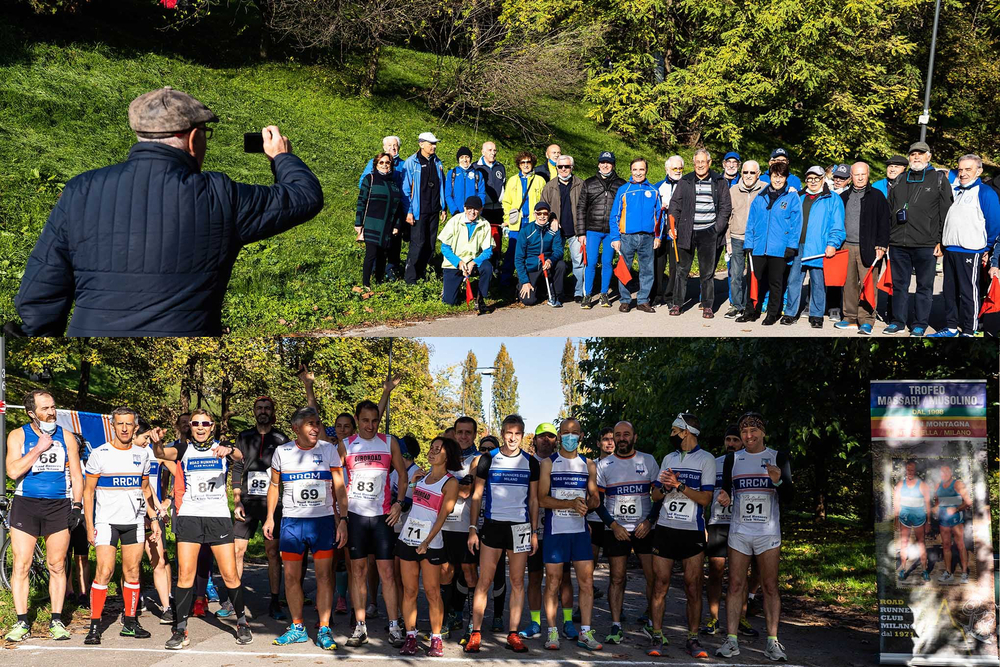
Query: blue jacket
x,y
532,241
460,184
637,208
397,168
772,228
825,227
973,221
882,186
411,183
146,247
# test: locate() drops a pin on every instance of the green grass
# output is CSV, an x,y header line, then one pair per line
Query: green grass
x,y
832,562
63,99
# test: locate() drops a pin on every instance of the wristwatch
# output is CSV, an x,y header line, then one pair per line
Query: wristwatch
x,y
681,487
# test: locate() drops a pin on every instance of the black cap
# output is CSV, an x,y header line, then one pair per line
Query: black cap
x,y
779,152
542,206
474,202
464,150
732,430
842,171
606,156
898,160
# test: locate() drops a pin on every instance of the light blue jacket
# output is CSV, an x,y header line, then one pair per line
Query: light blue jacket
x,y
825,227
460,184
773,228
411,183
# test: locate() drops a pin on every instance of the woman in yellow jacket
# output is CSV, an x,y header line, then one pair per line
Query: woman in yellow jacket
x,y
520,195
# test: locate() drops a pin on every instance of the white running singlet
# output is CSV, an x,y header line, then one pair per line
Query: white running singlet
x,y
626,483
459,518
755,498
204,482
567,481
696,470
306,480
119,472
427,500
508,479
368,463
719,514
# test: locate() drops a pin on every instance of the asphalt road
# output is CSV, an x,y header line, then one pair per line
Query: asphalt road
x,y
571,320
812,635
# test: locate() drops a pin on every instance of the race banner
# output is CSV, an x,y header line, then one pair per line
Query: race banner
x,y
95,429
932,523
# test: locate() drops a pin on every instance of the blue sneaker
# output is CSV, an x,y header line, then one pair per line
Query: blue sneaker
x,y
532,631
845,324
211,592
917,332
570,631
226,610
324,639
865,329
927,575
892,329
295,634
944,333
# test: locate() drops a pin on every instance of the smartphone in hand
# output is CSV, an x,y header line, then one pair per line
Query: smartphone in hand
x,y
253,142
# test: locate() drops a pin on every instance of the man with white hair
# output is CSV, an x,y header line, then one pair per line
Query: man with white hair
x,y
563,196
662,285
391,145
423,192
971,227
919,201
742,195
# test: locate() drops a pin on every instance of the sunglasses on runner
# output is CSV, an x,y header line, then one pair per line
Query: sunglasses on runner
x,y
198,423
747,171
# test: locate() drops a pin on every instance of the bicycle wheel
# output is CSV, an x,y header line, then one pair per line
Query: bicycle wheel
x,y
39,569
6,564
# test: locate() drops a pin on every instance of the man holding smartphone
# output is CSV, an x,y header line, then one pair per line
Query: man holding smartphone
x,y
146,247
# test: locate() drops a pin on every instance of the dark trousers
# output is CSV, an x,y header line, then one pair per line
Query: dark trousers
x,y
375,262
393,262
662,287
704,243
903,262
772,274
961,290
454,289
423,239
537,279
494,216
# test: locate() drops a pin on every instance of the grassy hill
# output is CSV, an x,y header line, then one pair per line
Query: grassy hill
x,y
65,84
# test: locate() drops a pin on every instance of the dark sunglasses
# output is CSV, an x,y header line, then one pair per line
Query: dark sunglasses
x,y
565,166
525,162
196,423
750,172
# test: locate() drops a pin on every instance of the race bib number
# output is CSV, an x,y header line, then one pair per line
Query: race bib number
x,y
628,508
51,460
521,532
721,514
415,531
206,487
257,482
456,512
309,493
678,507
568,494
755,508
366,486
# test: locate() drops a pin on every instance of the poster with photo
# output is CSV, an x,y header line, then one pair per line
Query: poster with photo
x,y
932,523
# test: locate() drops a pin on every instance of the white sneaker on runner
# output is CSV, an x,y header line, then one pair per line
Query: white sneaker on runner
x,y
775,651
729,649
965,577
945,577
552,643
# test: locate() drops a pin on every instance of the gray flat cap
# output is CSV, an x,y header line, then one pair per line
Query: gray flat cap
x,y
161,113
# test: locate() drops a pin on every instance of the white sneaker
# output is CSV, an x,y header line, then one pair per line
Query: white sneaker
x,y
775,651
729,649
945,577
965,577
552,643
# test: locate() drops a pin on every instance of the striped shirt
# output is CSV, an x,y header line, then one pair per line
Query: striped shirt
x,y
704,204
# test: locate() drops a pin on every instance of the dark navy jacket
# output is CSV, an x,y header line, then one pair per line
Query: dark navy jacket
x,y
146,247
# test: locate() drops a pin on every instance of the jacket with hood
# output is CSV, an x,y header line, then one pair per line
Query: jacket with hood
x,y
682,205
774,225
825,226
411,182
532,241
637,210
597,197
460,184
927,196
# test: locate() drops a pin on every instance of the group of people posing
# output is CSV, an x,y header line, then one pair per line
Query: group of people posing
x,y
484,512
771,228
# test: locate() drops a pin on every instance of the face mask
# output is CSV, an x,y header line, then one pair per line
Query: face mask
x,y
676,441
570,442
47,427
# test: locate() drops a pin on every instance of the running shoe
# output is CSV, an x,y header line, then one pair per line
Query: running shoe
x,y
358,638
587,641
865,329
371,611
643,620
475,640
944,333
647,630
604,301
167,617
656,645
775,651
226,610
409,646
892,329
845,324
586,304
570,631
902,575
694,649
533,630
497,625
341,606
178,640
927,575
515,643
746,629
58,631
728,649
93,637
243,634
324,639
437,648
276,613
200,608
616,636
552,643
135,631
211,591
946,577
465,638
965,577
396,636
917,332
711,628
295,634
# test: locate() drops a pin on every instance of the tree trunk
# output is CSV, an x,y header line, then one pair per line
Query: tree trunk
x,y
371,75
822,476
200,388
186,383
83,387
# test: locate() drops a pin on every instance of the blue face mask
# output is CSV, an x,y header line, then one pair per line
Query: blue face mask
x,y
570,442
